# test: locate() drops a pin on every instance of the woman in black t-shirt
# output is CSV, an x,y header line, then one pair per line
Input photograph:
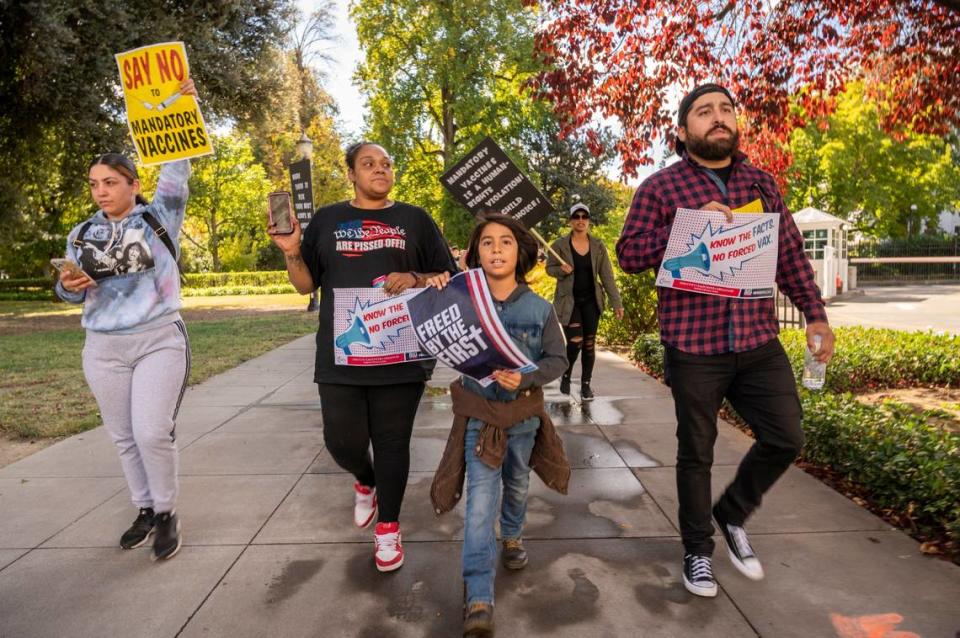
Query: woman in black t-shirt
x,y
579,297
349,245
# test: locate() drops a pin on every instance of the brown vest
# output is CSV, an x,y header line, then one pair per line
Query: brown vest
x,y
548,459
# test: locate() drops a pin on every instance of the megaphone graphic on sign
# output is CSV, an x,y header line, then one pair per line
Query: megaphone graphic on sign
x,y
357,333
698,258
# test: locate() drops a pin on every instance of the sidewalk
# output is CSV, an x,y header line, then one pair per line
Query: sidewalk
x,y
270,548
906,307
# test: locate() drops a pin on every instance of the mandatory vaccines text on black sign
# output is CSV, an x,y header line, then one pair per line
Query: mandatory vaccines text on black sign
x,y
486,179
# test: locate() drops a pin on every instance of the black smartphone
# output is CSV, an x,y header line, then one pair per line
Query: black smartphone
x,y
280,211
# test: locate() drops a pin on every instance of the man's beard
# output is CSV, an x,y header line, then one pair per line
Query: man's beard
x,y
713,151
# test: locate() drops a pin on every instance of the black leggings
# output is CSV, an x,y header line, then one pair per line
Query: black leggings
x,y
583,323
356,415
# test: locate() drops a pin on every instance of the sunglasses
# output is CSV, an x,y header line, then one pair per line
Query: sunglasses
x,y
579,216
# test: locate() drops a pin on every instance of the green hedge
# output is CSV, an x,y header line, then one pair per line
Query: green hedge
x,y
904,461
865,358
237,279
870,358
648,352
639,297
16,285
197,285
222,291
32,289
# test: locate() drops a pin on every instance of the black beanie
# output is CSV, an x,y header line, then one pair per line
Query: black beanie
x,y
688,101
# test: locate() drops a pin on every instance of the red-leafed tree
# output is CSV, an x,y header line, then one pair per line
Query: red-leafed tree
x,y
631,60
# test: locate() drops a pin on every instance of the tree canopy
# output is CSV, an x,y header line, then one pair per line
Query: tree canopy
x,y
440,76
631,60
847,165
226,216
60,102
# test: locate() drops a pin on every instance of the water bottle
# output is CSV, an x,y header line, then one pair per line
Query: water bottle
x,y
814,372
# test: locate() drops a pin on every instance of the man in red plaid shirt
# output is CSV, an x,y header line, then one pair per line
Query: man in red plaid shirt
x,y
720,347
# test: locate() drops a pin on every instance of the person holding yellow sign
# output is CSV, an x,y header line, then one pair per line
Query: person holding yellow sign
x,y
136,357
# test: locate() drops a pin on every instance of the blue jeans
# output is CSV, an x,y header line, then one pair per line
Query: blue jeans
x,y
483,494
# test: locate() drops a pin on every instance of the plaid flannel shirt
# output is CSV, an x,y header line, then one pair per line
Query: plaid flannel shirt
x,y
707,324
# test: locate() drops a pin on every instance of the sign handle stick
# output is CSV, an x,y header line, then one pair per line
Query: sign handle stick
x,y
547,246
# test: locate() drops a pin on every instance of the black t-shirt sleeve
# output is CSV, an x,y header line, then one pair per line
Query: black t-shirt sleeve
x,y
434,254
310,251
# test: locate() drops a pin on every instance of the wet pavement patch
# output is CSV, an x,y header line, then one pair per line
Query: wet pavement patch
x,y
291,579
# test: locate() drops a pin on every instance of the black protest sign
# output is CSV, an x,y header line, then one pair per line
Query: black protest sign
x,y
487,179
301,185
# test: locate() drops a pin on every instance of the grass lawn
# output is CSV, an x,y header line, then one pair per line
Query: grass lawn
x,y
42,389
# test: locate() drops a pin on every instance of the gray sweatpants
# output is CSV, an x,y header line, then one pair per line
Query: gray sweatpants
x,y
138,381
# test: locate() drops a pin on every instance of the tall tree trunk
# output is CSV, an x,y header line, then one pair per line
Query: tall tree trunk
x,y
214,241
449,126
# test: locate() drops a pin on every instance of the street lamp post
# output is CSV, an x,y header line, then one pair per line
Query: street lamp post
x,y
305,146
305,151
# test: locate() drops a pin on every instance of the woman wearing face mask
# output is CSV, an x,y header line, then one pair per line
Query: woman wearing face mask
x,y
351,244
136,357
579,299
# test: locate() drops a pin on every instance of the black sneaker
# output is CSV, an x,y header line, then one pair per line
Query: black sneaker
x,y
513,555
698,575
167,539
140,531
478,622
565,384
586,394
738,548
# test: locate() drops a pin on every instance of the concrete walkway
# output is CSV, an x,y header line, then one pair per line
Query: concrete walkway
x,y
906,307
270,549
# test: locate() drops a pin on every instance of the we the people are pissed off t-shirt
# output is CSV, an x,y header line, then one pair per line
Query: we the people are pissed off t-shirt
x,y
349,247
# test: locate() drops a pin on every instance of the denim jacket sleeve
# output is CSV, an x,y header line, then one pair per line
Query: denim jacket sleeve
x,y
554,360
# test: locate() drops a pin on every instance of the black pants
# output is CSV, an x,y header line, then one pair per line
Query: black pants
x,y
762,389
584,321
354,416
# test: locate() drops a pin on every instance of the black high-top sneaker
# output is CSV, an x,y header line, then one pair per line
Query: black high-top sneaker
x,y
586,394
698,575
738,548
140,531
565,384
167,539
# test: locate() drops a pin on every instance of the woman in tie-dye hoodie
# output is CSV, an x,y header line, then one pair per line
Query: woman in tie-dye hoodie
x,y
136,357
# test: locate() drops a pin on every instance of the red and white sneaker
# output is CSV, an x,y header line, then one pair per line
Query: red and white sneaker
x,y
364,505
389,550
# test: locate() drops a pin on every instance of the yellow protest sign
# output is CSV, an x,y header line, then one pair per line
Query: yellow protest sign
x,y
164,124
